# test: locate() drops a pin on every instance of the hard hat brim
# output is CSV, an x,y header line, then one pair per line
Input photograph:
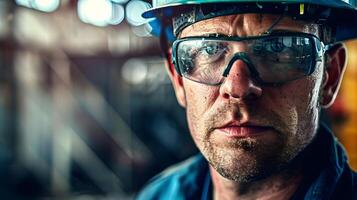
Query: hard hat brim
x,y
154,12
342,16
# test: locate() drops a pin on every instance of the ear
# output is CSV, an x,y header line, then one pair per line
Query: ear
x,y
176,80
334,70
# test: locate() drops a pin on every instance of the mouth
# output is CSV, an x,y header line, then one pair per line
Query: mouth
x,y
244,130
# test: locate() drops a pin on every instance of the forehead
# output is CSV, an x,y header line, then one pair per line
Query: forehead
x,y
247,25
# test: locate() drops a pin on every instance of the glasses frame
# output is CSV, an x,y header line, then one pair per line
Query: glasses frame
x,y
317,55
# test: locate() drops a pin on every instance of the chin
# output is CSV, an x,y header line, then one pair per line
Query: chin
x,y
242,168
249,162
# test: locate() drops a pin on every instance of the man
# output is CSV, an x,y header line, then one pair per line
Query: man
x,y
253,77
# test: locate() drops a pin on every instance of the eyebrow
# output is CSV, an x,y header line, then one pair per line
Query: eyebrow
x,y
207,35
283,31
217,35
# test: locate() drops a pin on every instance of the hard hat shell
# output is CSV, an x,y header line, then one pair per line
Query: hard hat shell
x,y
160,5
341,15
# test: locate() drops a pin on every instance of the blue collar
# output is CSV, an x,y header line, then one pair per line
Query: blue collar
x,y
207,187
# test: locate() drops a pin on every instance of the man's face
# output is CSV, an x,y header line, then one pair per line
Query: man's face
x,y
244,129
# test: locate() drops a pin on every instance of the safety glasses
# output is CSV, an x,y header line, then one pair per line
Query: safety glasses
x,y
271,59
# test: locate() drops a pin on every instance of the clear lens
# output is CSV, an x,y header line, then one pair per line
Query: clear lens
x,y
281,59
202,60
274,59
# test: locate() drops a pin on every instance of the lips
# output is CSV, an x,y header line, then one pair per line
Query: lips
x,y
244,130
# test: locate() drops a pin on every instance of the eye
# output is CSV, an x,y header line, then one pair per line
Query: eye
x,y
269,46
211,51
275,45
274,48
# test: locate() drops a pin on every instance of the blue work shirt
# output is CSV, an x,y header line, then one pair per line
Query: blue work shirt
x,y
327,175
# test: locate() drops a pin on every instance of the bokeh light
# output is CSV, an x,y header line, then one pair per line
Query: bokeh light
x,y
46,5
118,14
142,30
134,9
96,12
26,3
119,1
134,71
41,5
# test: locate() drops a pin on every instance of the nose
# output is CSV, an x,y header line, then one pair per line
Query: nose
x,y
239,83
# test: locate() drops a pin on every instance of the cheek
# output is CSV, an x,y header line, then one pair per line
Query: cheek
x,y
298,103
309,106
199,101
200,97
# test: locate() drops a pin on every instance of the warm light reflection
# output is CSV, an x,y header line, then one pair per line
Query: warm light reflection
x,y
345,107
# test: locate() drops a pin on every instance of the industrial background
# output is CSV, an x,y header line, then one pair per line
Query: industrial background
x,y
86,109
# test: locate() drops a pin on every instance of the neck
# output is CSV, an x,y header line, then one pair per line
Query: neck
x,y
279,186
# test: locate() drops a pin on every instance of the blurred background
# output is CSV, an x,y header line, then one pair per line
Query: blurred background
x,y
86,109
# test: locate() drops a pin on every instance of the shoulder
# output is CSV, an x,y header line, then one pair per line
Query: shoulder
x,y
346,184
179,181
354,181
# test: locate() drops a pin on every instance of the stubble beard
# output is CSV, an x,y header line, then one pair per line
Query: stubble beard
x,y
249,159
